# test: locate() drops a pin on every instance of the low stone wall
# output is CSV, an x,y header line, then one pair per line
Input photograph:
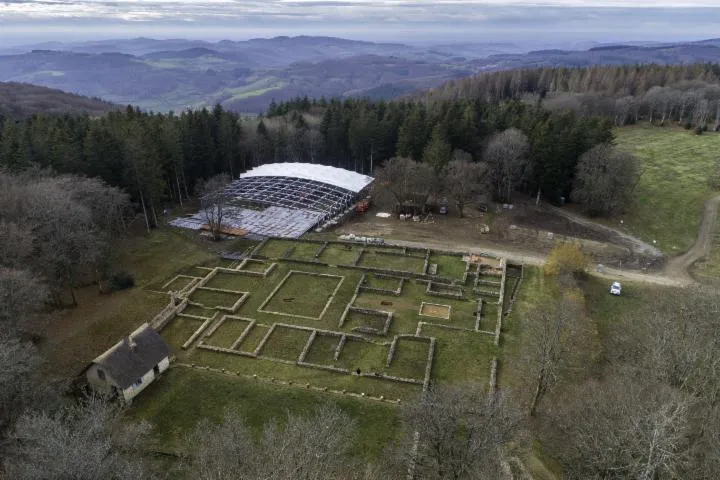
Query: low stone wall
x,y
213,348
376,313
321,249
397,273
161,320
264,340
197,333
478,314
515,289
498,325
492,386
359,257
428,365
430,290
341,323
306,349
339,347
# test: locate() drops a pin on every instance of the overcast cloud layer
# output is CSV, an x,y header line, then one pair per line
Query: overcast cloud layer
x,y
399,20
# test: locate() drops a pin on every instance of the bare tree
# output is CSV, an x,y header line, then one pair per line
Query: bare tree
x,y
507,157
109,206
85,441
675,344
314,143
18,364
67,221
22,295
549,334
16,244
620,427
408,181
461,432
464,178
310,447
214,199
605,179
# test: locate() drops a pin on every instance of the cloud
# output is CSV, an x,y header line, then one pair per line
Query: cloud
x,y
398,18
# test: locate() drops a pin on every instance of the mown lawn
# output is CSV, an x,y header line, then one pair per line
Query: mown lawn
x,y
674,184
182,397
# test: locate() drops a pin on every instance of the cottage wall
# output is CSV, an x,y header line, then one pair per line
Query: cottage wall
x,y
97,383
133,390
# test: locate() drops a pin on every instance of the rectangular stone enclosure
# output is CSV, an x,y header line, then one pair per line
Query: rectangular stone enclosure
x,y
303,295
435,310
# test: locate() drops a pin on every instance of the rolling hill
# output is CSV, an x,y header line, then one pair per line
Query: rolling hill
x,y
19,100
177,74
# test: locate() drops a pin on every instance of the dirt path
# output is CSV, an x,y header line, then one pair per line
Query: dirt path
x,y
635,245
679,267
461,237
538,259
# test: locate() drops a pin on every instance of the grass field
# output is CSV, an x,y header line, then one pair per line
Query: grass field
x,y
674,184
183,396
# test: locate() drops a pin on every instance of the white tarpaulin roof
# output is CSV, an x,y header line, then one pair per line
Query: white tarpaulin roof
x,y
338,177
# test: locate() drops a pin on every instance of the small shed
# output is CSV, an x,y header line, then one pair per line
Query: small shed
x,y
130,365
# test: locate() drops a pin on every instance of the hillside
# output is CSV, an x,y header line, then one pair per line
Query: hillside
x,y
177,74
21,99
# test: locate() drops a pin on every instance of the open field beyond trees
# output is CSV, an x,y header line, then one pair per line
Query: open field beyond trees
x,y
674,186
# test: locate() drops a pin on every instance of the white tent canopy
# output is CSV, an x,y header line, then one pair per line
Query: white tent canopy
x,y
338,177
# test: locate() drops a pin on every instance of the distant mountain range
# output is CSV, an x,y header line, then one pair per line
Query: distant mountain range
x,y
177,74
20,100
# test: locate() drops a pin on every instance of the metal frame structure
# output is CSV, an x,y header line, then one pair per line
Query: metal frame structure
x,y
286,199
288,192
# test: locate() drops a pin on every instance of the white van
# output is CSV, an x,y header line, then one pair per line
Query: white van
x,y
616,288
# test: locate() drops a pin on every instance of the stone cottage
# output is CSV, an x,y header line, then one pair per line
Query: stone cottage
x,y
131,365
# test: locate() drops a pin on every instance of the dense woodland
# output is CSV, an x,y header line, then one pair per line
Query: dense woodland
x,y
685,94
158,158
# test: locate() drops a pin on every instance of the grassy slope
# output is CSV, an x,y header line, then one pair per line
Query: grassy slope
x,y
181,397
78,335
707,269
21,99
673,188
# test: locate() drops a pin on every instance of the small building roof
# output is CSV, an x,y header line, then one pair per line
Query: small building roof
x,y
134,356
338,177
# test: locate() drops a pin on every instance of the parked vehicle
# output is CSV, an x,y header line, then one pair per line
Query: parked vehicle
x,y
616,288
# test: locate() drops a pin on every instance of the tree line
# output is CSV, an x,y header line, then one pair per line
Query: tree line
x,y
361,135
685,94
157,158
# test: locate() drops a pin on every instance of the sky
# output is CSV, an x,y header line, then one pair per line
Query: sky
x,y
409,21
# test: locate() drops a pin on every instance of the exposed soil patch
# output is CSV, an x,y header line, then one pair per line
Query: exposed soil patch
x,y
543,220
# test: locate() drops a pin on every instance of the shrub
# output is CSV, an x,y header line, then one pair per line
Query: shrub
x,y
699,130
688,125
121,280
566,258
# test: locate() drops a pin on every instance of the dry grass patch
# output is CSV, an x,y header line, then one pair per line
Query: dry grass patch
x,y
435,310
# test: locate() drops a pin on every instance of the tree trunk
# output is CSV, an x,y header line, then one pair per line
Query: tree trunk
x,y
72,290
539,390
145,213
177,181
154,214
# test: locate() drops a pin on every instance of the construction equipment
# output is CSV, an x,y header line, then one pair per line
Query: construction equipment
x,y
362,206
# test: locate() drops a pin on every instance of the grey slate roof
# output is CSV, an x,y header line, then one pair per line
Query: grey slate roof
x,y
134,356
